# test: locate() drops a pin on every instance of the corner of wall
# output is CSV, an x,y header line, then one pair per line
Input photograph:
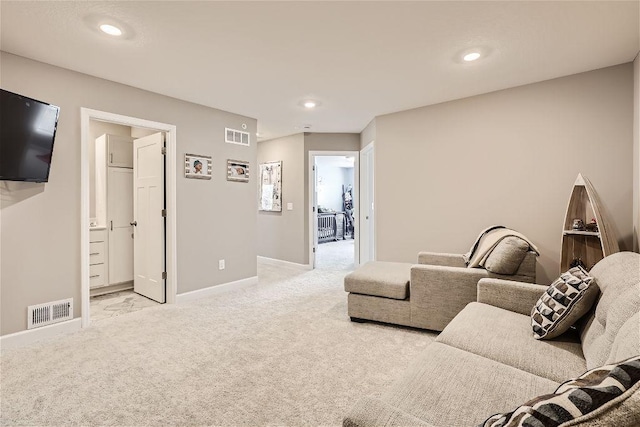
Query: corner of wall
x,y
368,134
636,153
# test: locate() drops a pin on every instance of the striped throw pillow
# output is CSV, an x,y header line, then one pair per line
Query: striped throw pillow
x,y
603,389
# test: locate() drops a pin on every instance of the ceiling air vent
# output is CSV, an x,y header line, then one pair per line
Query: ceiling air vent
x,y
49,313
233,136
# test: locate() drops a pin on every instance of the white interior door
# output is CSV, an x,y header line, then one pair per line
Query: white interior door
x,y
149,226
120,214
367,229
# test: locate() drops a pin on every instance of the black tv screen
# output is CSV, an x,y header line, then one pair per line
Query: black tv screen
x,y
27,132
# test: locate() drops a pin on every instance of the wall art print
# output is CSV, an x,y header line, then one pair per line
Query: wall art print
x,y
270,190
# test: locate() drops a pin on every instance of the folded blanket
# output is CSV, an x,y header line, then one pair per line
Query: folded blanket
x,y
488,240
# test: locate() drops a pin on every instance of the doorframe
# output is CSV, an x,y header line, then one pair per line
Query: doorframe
x,y
369,148
86,115
356,197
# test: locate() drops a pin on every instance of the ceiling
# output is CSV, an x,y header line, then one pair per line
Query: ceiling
x,y
357,59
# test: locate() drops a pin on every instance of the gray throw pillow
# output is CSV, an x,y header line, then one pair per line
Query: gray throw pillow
x,y
507,256
569,298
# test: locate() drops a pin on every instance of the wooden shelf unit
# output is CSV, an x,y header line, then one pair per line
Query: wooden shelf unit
x,y
589,246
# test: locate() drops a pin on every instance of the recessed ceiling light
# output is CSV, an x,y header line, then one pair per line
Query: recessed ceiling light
x,y
258,134
112,30
309,104
471,56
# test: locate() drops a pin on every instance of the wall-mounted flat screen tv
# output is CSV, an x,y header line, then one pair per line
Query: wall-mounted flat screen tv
x,y
27,132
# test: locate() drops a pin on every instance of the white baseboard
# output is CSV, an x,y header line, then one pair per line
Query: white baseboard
x,y
217,289
23,338
282,263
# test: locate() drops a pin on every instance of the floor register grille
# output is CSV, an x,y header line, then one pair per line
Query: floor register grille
x,y
49,313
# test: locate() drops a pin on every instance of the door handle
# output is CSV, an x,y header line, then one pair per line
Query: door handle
x,y
134,223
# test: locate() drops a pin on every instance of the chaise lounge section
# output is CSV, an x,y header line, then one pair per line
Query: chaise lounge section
x,y
426,295
486,360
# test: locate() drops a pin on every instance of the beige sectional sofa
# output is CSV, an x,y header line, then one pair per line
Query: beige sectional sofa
x,y
426,295
486,360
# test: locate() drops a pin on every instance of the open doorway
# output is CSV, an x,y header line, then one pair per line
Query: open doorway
x,y
128,220
333,210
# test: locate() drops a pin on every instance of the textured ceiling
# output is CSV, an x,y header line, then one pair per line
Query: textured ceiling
x,y
359,59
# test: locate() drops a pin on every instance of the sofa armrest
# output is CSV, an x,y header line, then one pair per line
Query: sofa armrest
x,y
518,297
439,293
434,258
372,412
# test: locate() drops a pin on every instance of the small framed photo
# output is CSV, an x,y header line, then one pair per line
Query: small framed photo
x,y
197,166
237,170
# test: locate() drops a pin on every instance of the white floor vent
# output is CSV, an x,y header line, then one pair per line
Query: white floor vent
x,y
49,313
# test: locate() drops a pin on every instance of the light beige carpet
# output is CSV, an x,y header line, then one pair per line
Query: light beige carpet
x,y
335,255
281,353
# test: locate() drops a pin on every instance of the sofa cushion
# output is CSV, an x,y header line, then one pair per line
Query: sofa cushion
x,y
627,340
569,298
374,412
618,278
505,336
507,256
382,279
446,386
597,389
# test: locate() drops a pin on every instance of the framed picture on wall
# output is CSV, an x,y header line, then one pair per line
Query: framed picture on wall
x,y
197,166
237,170
270,187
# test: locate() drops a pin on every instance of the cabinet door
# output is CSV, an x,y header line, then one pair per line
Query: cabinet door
x,y
120,216
120,152
96,253
96,276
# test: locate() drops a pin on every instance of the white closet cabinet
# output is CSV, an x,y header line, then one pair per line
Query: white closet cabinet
x,y
114,203
120,216
118,150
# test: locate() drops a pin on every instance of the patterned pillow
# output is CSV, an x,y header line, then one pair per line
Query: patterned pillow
x,y
602,389
569,298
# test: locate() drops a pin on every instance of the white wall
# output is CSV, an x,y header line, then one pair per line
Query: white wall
x,y
40,224
445,172
285,235
280,233
368,134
